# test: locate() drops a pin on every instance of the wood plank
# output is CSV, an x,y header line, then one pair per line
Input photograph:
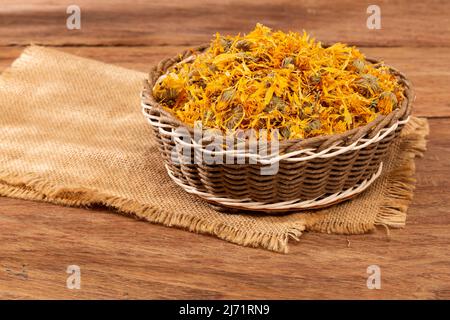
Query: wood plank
x,y
428,71
137,58
123,258
428,68
184,22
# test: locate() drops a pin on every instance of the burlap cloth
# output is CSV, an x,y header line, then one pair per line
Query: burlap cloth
x,y
72,133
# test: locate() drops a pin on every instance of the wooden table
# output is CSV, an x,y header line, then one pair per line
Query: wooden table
x,y
123,258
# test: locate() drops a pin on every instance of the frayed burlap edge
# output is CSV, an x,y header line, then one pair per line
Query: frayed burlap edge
x,y
400,183
31,187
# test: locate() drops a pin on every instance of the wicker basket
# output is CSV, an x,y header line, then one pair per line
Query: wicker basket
x,y
312,173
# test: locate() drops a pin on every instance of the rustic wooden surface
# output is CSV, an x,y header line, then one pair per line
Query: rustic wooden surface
x,y
123,258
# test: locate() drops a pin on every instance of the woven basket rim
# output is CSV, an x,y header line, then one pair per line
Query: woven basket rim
x,y
320,142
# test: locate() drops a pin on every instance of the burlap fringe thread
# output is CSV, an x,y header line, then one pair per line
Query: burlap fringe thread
x,y
30,187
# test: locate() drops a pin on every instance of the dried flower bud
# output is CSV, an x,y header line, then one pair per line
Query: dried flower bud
x,y
243,45
287,61
247,57
313,125
276,103
365,82
285,132
208,115
212,67
374,104
235,118
391,96
359,65
225,44
194,78
168,95
228,95
315,79
261,124
194,74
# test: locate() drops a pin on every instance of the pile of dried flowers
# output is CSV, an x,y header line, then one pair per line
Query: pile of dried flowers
x,y
276,80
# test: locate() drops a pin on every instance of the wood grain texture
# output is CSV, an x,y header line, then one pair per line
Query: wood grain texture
x,y
182,22
123,258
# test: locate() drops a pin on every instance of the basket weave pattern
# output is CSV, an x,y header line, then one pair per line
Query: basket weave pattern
x,y
308,169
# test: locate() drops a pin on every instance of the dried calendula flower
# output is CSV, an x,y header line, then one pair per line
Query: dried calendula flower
x,y
243,45
235,117
225,43
169,88
315,79
387,101
246,57
208,115
313,125
367,84
227,95
359,65
391,96
289,82
276,103
212,67
193,74
373,104
287,61
285,132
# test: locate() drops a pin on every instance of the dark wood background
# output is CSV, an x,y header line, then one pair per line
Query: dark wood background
x,y
123,258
